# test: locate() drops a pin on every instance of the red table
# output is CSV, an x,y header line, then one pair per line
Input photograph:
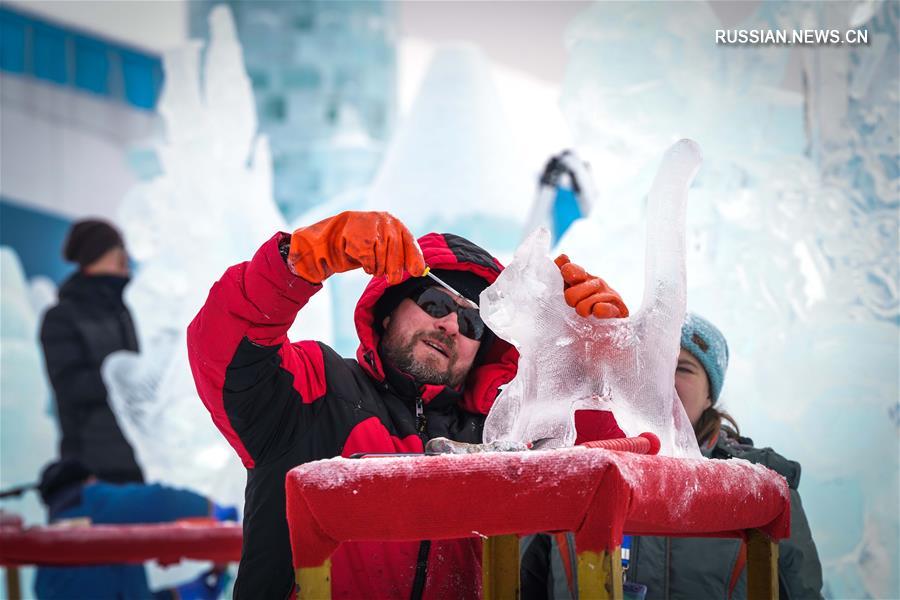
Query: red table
x,y
597,494
200,539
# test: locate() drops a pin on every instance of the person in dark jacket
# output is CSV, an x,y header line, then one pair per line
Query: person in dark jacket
x,y
689,568
89,323
75,496
426,367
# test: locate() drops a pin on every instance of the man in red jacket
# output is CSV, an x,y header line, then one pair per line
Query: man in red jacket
x,y
426,367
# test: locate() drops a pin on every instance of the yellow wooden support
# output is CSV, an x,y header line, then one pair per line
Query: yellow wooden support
x,y
762,567
600,575
315,582
13,584
500,568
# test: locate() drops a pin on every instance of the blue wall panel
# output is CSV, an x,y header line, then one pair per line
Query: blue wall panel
x,y
32,46
50,60
91,65
142,77
12,42
37,237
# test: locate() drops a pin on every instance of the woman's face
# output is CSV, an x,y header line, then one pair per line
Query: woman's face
x,y
692,385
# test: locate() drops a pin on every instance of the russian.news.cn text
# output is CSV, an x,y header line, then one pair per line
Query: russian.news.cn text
x,y
789,37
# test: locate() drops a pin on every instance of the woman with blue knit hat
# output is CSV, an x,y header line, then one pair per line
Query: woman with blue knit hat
x,y
693,568
690,568
700,375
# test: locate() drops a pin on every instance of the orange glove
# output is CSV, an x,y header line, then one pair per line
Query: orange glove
x,y
374,241
587,294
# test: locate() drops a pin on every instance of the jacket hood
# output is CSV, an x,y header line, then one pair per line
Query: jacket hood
x,y
449,252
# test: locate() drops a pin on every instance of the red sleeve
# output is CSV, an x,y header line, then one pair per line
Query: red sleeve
x,y
256,300
484,381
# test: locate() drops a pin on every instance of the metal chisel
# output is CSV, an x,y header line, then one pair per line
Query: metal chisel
x,y
447,287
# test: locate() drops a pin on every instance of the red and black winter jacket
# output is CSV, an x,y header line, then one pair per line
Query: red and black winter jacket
x,y
281,403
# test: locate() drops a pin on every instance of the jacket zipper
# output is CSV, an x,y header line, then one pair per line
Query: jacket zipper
x,y
421,571
422,561
420,416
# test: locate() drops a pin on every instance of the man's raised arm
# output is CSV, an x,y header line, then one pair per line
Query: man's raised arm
x,y
240,334
240,356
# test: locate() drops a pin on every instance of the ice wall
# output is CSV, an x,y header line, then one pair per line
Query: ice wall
x,y
211,207
28,431
324,77
568,362
452,166
792,245
24,390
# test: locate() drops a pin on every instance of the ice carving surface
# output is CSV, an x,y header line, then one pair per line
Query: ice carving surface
x,y
568,362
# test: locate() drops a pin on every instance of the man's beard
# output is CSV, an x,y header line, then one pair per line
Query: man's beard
x,y
402,357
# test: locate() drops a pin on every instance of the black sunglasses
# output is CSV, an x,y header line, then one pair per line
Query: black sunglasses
x,y
438,305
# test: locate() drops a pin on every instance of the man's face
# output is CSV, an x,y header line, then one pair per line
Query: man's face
x,y
430,349
113,262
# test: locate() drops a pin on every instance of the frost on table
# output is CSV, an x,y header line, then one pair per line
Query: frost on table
x,y
568,363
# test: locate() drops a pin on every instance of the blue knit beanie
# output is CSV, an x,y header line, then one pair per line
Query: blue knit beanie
x,y
702,339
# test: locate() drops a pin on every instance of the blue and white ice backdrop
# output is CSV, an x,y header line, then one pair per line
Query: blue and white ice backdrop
x,y
791,236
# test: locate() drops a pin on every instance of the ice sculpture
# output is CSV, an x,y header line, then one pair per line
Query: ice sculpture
x,y
211,207
452,165
28,434
623,365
